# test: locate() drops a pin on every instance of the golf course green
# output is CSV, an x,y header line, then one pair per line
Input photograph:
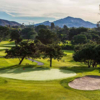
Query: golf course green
x,y
30,81
37,74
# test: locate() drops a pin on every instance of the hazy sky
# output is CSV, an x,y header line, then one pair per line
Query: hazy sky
x,y
40,10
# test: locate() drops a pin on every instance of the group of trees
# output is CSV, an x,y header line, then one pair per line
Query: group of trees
x,y
45,45
85,37
88,53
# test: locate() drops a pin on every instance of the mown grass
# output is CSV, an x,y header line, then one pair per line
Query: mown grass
x,y
11,89
48,90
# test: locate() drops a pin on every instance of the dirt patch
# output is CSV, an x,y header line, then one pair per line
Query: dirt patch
x,y
86,83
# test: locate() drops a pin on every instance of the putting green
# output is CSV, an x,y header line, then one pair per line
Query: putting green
x,y
37,74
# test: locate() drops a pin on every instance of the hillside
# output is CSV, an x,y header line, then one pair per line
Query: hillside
x,y
6,22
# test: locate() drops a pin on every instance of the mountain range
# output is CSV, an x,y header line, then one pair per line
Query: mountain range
x,y
70,22
6,22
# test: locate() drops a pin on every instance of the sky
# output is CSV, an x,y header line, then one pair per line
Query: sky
x,y
37,11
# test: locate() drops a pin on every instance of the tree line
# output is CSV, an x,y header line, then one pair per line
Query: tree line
x,y
43,41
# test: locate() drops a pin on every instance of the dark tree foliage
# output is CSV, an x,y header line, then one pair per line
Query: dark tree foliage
x,y
88,53
85,37
32,35
15,36
46,37
95,37
52,25
63,34
26,33
92,36
55,29
22,51
79,39
76,31
88,35
39,27
4,32
97,54
65,27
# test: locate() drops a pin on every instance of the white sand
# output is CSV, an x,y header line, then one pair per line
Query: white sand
x,y
86,83
37,74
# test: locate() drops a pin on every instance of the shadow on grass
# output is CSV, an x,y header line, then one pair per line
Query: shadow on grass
x,y
77,69
2,49
22,68
72,60
66,71
2,56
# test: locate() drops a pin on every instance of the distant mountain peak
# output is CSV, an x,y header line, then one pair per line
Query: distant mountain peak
x,y
46,21
70,22
69,17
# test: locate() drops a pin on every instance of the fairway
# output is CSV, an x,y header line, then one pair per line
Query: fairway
x,y
37,74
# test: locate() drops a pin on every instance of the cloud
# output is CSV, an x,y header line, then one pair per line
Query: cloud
x,y
86,9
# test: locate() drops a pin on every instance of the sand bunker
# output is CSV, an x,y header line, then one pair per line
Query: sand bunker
x,y
86,83
37,74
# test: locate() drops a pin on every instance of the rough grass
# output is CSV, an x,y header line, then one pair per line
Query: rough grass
x,y
11,89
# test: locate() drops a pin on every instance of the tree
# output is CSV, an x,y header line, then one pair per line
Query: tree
x,y
52,51
65,27
22,51
75,31
39,27
87,54
52,25
88,35
4,32
97,54
95,37
32,35
46,37
15,36
63,34
79,39
26,33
